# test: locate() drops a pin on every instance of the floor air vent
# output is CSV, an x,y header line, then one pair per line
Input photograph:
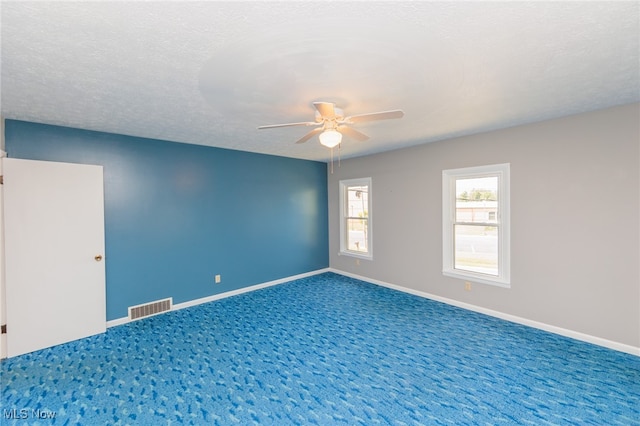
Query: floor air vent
x,y
148,309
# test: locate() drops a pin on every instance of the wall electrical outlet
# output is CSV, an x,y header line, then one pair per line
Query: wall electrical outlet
x,y
218,279
467,286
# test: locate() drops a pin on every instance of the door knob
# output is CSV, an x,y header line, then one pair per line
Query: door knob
x,y
98,258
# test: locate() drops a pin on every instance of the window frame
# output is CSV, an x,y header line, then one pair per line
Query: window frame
x,y
344,185
503,221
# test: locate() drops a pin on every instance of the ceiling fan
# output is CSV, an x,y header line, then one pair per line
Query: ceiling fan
x,y
330,124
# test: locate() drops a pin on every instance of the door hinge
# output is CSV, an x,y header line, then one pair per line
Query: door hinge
x,y
3,329
1,180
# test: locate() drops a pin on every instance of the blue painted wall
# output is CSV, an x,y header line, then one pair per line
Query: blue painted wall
x,y
177,214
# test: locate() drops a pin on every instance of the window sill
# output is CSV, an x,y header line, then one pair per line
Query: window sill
x,y
355,254
477,278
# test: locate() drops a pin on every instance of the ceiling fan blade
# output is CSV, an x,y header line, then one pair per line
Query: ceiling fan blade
x,y
303,123
352,133
383,115
309,135
326,109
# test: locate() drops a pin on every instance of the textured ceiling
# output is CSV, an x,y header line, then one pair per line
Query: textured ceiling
x,y
210,73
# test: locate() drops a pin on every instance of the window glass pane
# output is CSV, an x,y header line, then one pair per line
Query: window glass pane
x,y
477,200
476,248
357,201
357,235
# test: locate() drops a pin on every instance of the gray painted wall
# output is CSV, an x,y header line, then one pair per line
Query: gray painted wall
x,y
575,213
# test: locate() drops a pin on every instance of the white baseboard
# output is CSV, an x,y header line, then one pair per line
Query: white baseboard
x,y
195,302
508,317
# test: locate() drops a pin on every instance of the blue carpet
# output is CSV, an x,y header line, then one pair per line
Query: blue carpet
x,y
325,350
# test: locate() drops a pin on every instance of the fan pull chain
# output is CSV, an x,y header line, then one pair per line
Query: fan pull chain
x,y
331,160
339,146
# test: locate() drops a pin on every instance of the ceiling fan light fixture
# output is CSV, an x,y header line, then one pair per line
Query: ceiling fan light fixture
x,y
330,138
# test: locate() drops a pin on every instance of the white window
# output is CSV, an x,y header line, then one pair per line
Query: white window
x,y
355,217
475,224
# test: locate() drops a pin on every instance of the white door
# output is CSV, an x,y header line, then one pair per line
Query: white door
x,y
54,249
